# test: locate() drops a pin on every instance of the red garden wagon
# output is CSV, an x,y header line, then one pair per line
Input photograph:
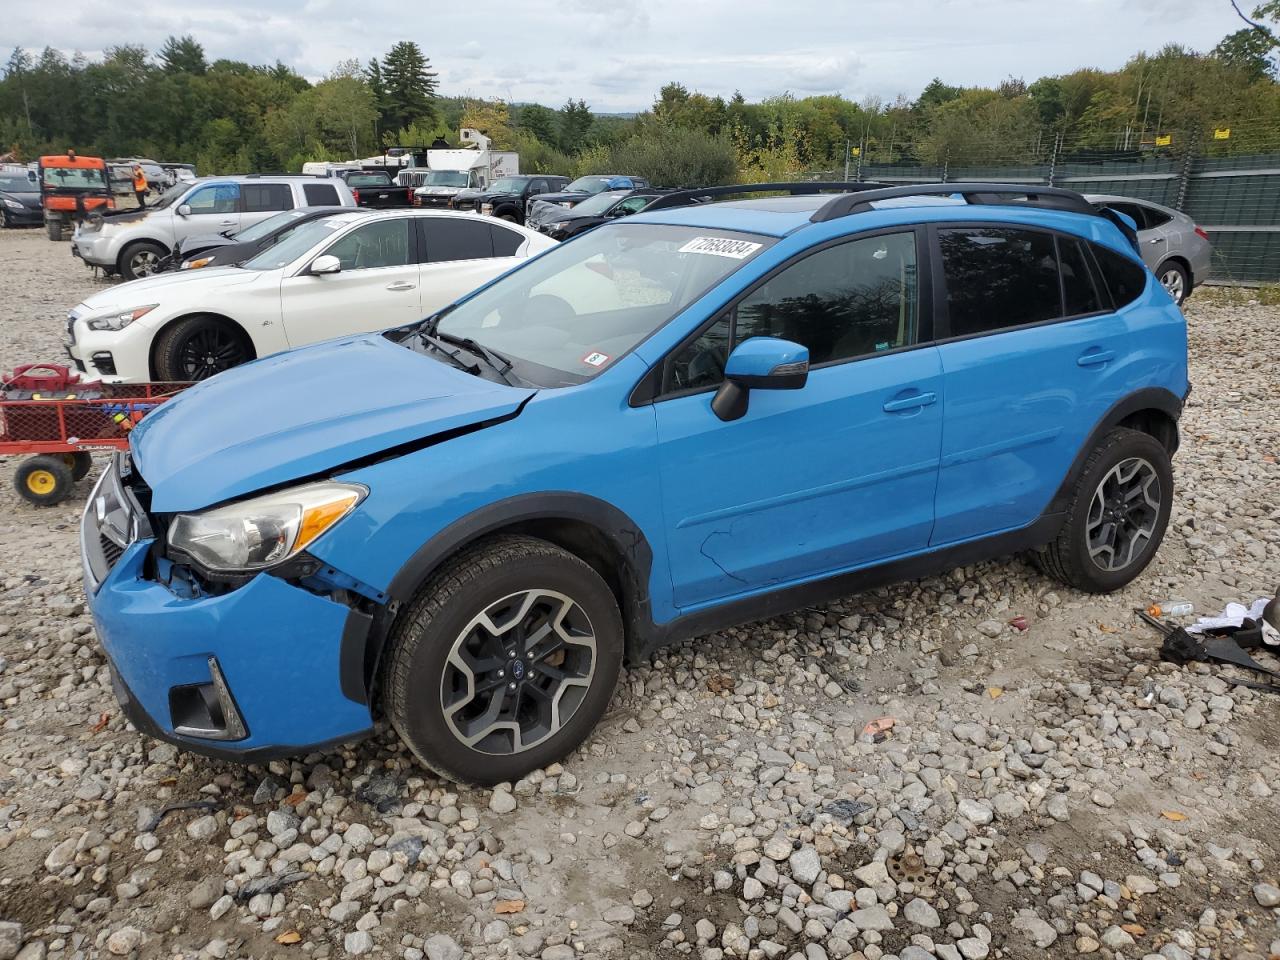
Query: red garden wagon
x,y
48,412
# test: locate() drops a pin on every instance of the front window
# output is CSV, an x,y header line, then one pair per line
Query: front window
x,y
268,226
599,204
507,185
74,178
589,185
572,312
446,178
296,244
18,185
216,198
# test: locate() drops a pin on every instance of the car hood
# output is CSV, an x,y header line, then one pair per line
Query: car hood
x,y
206,241
577,196
29,200
302,413
154,288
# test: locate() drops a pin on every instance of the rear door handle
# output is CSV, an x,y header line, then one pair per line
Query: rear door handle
x,y
226,223
401,285
1156,240
1095,358
913,402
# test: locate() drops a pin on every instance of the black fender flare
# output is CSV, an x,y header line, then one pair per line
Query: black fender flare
x,y
365,638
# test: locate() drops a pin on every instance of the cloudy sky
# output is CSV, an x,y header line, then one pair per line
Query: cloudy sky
x,y
617,53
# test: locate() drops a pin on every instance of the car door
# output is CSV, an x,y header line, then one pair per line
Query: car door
x,y
1157,236
1028,342
214,208
810,482
377,287
460,255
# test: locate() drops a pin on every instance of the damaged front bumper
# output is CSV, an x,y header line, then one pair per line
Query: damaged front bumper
x,y
267,669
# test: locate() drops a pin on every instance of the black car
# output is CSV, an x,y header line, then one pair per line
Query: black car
x,y
221,250
19,201
507,197
580,189
561,224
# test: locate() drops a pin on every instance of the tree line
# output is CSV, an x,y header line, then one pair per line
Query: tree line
x,y
232,116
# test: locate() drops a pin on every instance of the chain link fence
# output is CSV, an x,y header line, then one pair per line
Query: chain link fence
x,y
1233,196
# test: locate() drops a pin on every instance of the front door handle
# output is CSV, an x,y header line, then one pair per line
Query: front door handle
x,y
1095,358
226,223
913,402
1156,240
401,285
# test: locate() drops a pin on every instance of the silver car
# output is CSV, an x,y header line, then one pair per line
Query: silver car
x,y
1177,251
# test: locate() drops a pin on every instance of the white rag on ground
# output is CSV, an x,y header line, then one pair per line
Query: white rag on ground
x,y
1234,615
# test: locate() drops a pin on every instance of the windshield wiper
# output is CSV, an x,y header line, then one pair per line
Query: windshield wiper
x,y
454,355
497,362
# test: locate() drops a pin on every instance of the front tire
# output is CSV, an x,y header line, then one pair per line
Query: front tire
x,y
54,229
1175,280
44,480
504,662
141,259
196,348
1117,517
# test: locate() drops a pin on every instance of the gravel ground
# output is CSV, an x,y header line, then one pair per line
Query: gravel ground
x,y
1052,791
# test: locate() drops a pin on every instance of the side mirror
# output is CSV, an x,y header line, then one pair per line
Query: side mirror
x,y
761,363
184,210
324,265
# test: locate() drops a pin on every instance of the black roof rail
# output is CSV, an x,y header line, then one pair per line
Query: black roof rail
x,y
796,188
1054,198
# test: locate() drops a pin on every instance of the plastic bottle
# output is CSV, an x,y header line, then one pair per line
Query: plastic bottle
x,y
1171,608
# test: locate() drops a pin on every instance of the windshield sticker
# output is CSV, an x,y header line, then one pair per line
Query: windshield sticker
x,y
721,247
596,359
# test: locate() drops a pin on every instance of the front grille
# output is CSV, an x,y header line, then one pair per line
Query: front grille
x,y
113,520
71,327
111,551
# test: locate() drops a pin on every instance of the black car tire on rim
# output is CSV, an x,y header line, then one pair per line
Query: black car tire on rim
x,y
504,661
1118,514
141,259
195,348
4,219
1173,277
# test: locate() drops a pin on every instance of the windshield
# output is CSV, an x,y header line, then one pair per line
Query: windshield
x,y
170,196
600,203
369,180
588,185
18,185
572,312
76,178
507,185
446,178
296,244
268,226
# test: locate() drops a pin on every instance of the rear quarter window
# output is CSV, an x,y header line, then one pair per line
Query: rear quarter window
x,y
321,195
1124,277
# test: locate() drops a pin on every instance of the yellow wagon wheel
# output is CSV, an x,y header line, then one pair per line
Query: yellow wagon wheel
x,y
44,480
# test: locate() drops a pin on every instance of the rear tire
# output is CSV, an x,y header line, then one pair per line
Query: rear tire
x,y
141,259
196,348
80,463
54,229
1117,517
1173,277
504,662
44,480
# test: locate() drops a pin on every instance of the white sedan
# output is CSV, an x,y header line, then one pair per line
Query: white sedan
x,y
347,273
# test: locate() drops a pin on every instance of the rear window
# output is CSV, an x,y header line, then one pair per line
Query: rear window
x,y
505,242
321,195
1125,278
357,180
260,197
450,239
999,277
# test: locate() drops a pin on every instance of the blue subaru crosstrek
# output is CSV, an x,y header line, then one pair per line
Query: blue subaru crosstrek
x,y
698,416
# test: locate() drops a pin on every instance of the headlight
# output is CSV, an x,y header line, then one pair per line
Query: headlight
x,y
118,320
486,208
12,203
265,531
566,204
195,264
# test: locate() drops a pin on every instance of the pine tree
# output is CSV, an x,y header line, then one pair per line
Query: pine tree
x,y
409,85
182,55
575,121
373,77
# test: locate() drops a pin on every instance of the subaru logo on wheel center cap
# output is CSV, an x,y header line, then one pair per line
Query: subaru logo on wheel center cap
x,y
517,669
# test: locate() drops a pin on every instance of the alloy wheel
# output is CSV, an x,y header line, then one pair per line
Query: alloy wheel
x,y
518,671
1173,283
210,350
144,263
1123,514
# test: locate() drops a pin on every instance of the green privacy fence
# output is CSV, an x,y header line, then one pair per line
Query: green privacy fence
x,y
1235,199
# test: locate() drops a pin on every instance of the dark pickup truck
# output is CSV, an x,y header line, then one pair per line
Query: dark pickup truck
x,y
375,189
507,197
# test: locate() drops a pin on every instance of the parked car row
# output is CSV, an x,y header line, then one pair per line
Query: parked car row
x,y
464,524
